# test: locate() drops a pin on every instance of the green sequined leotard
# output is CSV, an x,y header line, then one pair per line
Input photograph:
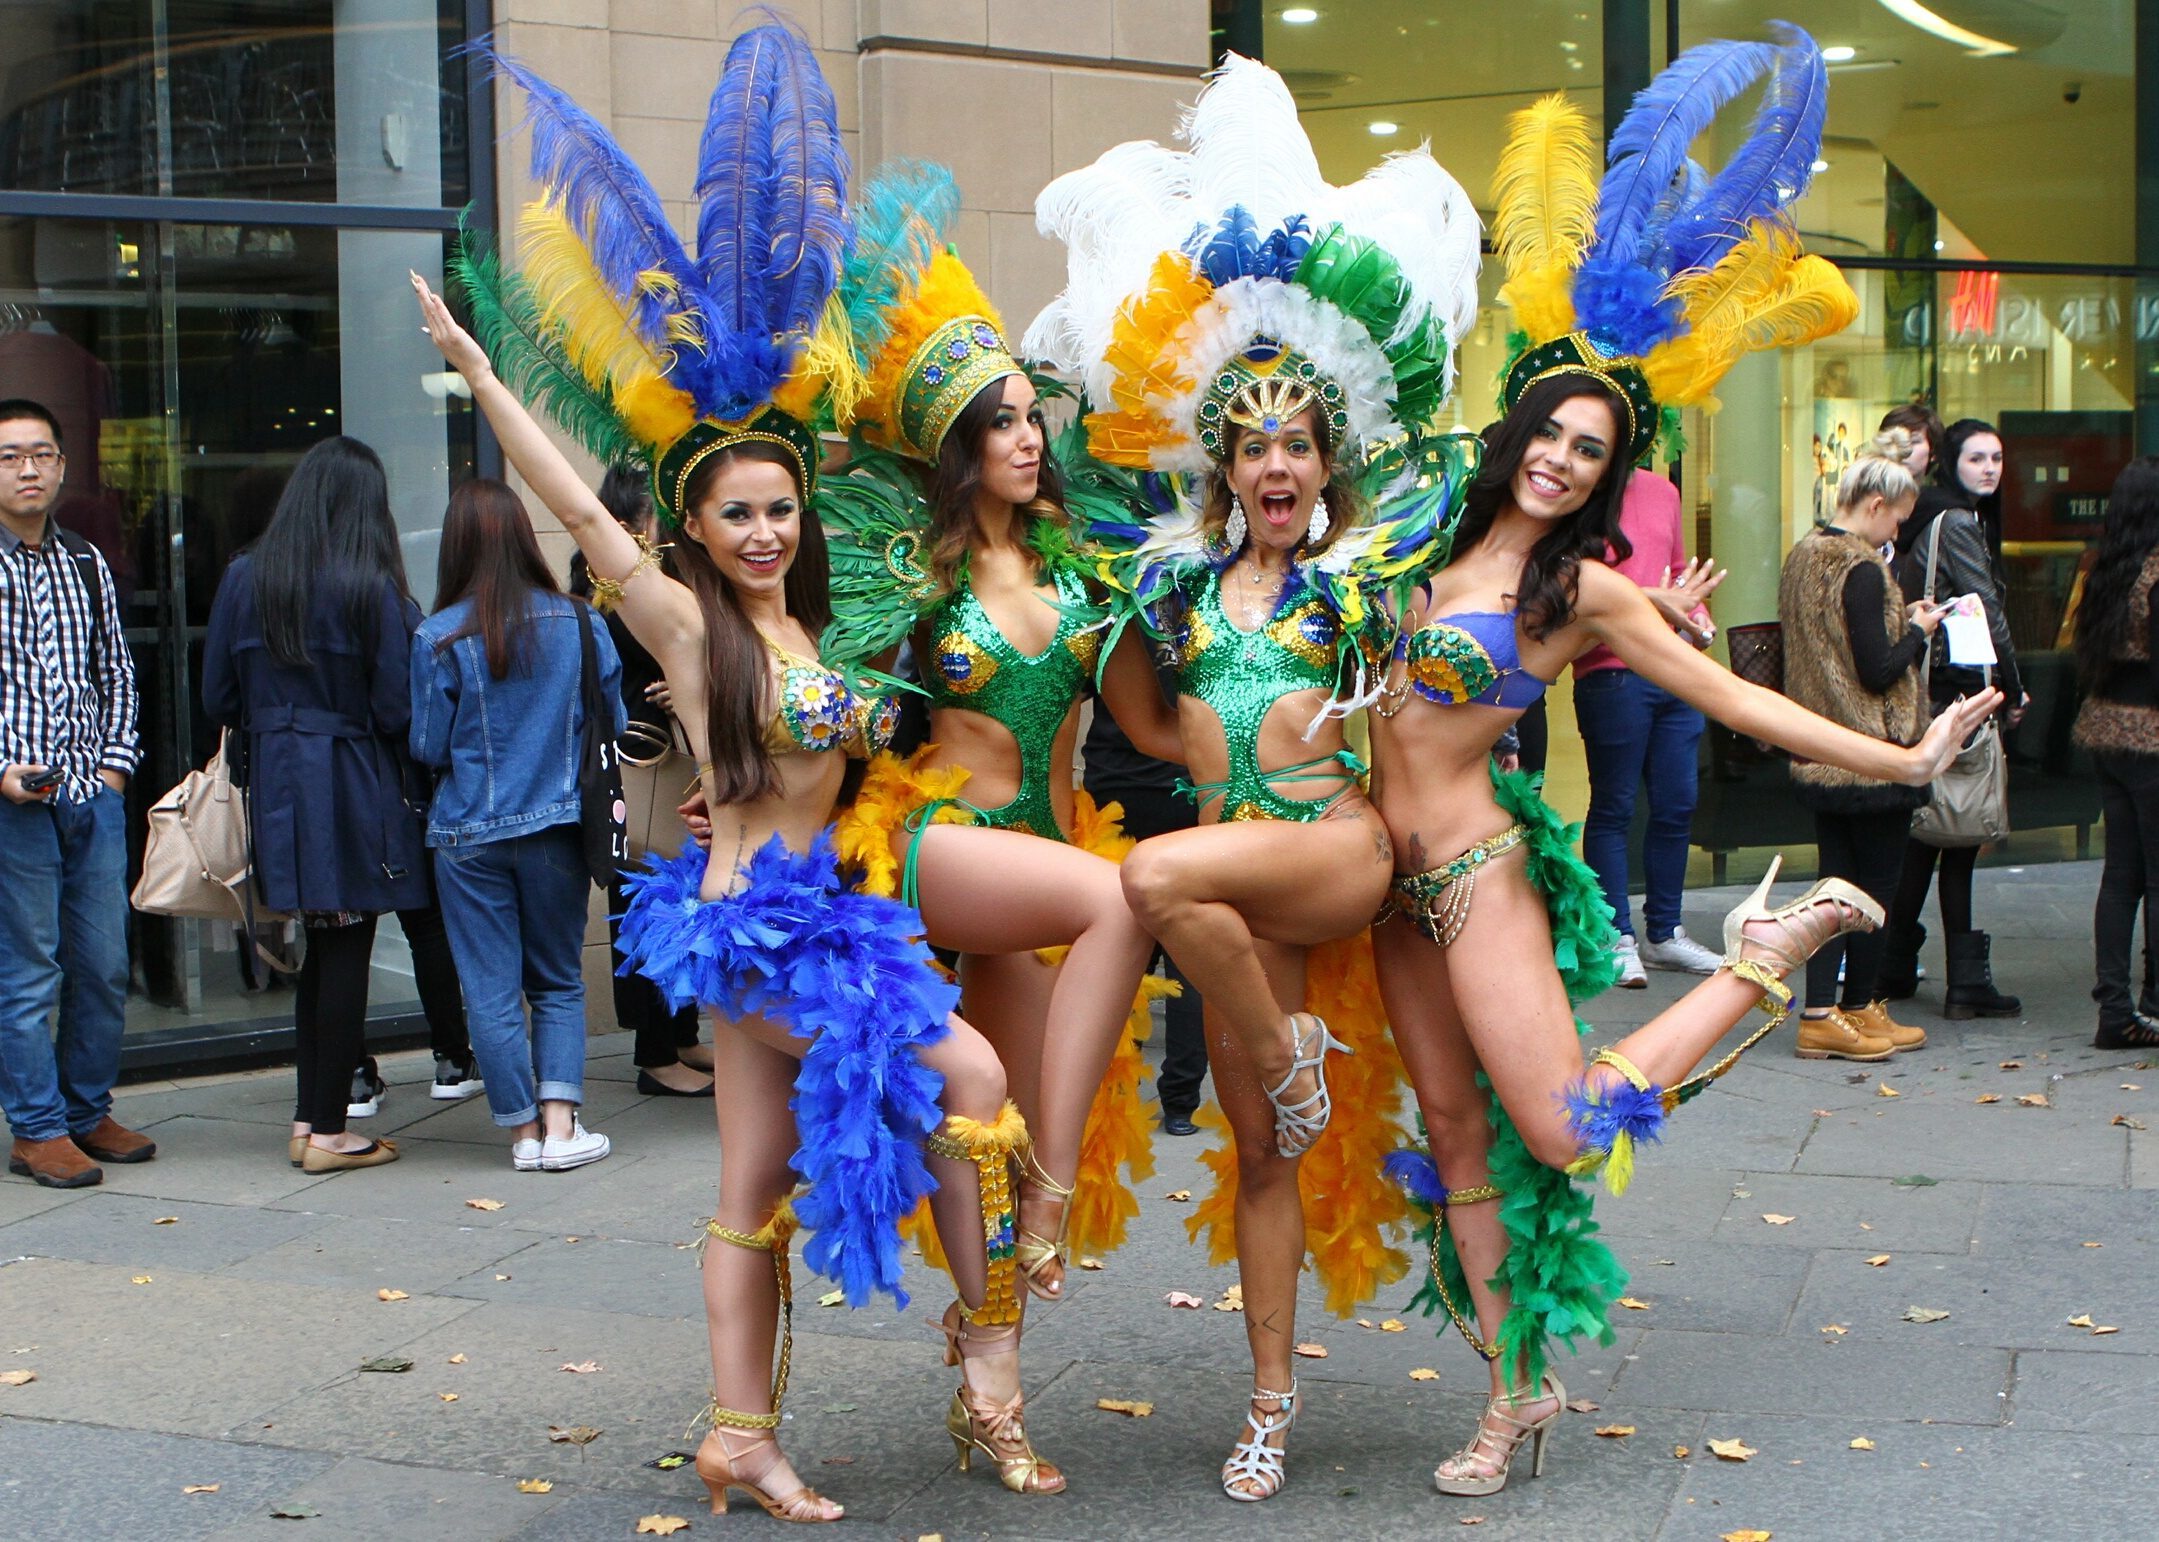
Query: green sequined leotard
x,y
971,665
1241,675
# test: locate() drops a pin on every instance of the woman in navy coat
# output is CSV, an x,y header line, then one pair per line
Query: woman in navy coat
x,y
308,662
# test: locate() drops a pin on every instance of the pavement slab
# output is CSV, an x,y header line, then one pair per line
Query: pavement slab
x,y
64,1479
143,1233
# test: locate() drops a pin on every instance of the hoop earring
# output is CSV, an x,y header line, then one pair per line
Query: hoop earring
x,y
1316,530
1234,528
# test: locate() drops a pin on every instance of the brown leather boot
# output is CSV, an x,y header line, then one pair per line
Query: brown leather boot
x,y
113,1141
57,1164
1838,1037
1874,1022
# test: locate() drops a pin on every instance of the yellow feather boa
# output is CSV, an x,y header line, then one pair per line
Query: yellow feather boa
x,y
1351,1209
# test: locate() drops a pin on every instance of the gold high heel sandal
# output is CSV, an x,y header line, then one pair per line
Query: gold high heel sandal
x,y
722,1469
1498,1448
994,1426
1036,1253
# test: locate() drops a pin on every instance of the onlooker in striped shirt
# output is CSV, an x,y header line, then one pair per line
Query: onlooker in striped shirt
x,y
67,748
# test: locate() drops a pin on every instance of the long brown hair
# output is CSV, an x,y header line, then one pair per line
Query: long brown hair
x,y
1345,505
490,557
958,474
737,667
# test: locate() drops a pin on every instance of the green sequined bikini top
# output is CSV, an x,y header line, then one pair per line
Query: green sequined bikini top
x,y
971,665
1241,675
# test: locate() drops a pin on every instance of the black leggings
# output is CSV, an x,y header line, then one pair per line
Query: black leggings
x,y
1955,890
329,1019
434,972
1862,849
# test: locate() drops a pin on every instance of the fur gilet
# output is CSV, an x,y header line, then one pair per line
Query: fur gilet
x,y
2118,726
1819,675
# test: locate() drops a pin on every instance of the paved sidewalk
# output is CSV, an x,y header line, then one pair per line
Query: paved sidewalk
x,y
200,1321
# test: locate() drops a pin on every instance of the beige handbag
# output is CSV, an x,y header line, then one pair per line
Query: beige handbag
x,y
657,774
1969,802
198,860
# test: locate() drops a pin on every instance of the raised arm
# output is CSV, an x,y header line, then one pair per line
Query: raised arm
x,y
1616,614
661,613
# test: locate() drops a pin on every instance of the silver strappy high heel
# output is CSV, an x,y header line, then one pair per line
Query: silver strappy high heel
x,y
1299,1125
1254,1461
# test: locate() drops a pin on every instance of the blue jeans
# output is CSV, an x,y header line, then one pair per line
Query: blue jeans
x,y
515,911
63,944
1636,734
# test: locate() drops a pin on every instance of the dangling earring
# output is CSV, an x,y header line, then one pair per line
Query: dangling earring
x,y
1233,528
1316,531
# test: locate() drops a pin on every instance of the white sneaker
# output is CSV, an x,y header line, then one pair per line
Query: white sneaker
x,y
1681,952
573,1150
525,1155
1630,964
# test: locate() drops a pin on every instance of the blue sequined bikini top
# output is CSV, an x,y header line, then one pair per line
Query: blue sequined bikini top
x,y
817,710
1470,656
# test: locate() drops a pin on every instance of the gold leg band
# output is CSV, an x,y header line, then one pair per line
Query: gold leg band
x,y
1475,1196
772,1237
993,1148
1776,1002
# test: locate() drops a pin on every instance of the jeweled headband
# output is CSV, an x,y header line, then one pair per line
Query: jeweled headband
x,y
671,474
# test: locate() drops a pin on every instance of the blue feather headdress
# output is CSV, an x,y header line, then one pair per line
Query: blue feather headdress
x,y
1657,278
693,353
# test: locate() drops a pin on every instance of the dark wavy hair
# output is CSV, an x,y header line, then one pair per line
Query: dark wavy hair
x,y
1546,594
737,667
331,544
1922,422
489,555
958,474
1345,504
2130,533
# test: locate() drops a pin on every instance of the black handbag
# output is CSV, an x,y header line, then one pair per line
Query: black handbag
x,y
601,814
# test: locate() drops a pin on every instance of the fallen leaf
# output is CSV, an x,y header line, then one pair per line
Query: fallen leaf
x,y
1366,1322
1184,1298
1861,1443
1824,1113
1866,1226
1090,1264
2093,1244
173,1220
1744,1536
2012,1065
1615,1431
1682,1452
142,1279
1915,1181
1988,1097
1394,1325
573,1239
839,1461
2128,1123
1878,1260
1179,1196
290,1511
1633,1304
390,1364
660,1525
2132,1087
535,1486
1835,1327
447,1397
575,1435
1311,1351
1884,1090
500,1278
1469,1520
1731,1450
457,1359
669,1461
2103,1329
201,1488
839,1408
2034,1100
1128,1406
393,1295
1424,1373
581,1367
483,1204
1924,1314
1778,1220
833,1298
1581,1405
2081,1320
17,1378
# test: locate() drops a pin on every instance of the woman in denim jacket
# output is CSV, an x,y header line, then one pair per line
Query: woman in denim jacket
x,y
496,710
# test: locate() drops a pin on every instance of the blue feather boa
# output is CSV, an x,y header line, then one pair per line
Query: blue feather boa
x,y
848,973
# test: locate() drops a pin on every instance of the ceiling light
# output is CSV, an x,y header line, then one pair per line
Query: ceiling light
x,y
1382,128
1300,15
1819,167
1974,43
1568,47
1839,53
1938,245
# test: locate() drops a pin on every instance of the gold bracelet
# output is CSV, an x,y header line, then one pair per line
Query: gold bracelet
x,y
607,592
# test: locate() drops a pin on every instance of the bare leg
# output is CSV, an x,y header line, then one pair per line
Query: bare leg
x,y
1009,994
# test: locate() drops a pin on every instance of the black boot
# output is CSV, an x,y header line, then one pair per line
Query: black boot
x,y
1971,991
1896,977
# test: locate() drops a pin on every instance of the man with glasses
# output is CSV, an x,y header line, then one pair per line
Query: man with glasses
x,y
67,748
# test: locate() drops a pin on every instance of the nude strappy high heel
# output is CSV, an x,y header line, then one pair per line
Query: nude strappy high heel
x,y
1458,1474
1255,1462
993,1426
1299,1125
726,1470
1035,1253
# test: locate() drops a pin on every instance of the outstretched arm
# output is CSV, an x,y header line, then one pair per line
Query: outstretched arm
x,y
1621,618
661,613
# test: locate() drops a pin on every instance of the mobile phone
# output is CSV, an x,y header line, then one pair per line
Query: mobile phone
x,y
37,782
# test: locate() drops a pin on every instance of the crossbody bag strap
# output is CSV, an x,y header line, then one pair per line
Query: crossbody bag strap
x,y
1934,552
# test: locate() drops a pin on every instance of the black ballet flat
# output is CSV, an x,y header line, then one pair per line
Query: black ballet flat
x,y
652,1087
